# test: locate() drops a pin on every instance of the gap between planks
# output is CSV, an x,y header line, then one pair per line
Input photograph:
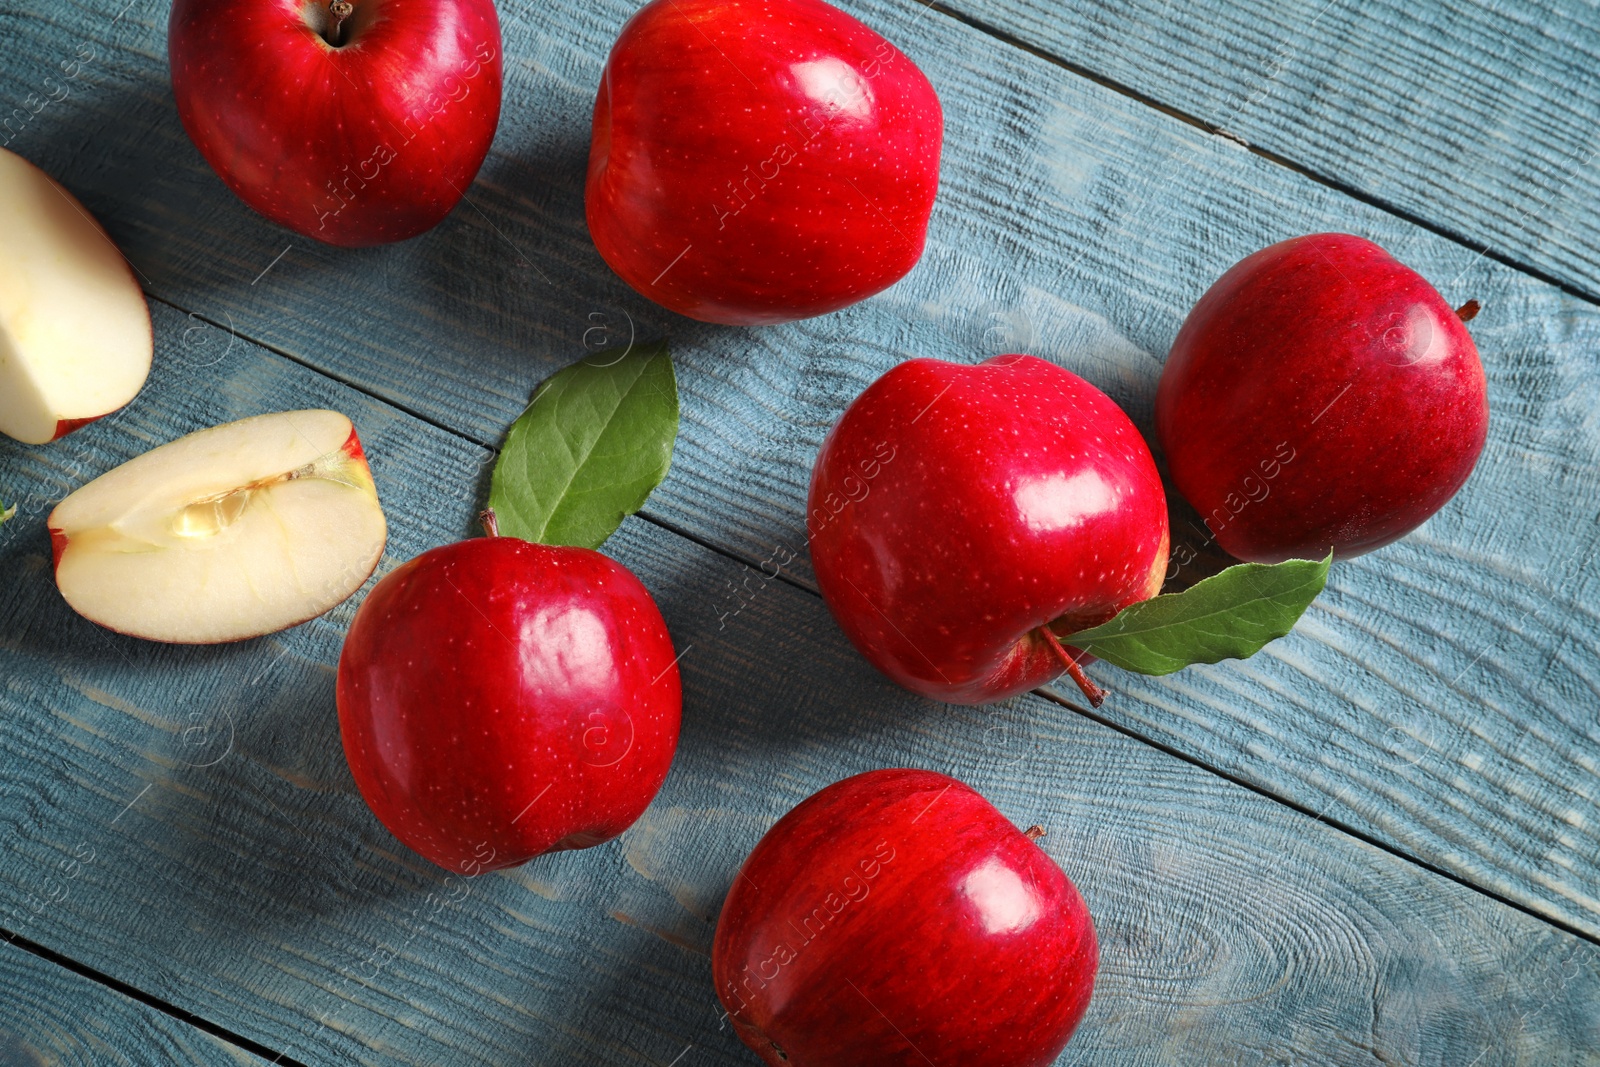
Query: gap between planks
x,y
1139,97
1054,698
222,1033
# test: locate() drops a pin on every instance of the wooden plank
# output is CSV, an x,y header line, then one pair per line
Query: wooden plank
x,y
50,1016
1073,222
1477,118
237,875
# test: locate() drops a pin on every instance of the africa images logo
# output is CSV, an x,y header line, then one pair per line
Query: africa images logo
x,y
853,889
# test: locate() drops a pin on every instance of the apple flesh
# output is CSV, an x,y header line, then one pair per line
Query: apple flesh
x,y
75,340
964,518
360,142
231,532
761,161
896,919
1320,395
500,699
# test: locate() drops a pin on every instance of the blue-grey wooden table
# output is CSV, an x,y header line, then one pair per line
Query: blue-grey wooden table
x,y
1378,842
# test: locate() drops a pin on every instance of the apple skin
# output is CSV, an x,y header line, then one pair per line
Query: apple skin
x,y
896,919
1320,395
369,142
954,510
66,426
500,699
760,161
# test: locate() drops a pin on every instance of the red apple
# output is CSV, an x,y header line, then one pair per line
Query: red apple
x,y
963,518
499,699
355,123
760,161
1320,395
896,919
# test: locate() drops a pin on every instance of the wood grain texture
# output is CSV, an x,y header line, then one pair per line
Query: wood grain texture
x,y
1442,698
226,864
1478,118
52,1017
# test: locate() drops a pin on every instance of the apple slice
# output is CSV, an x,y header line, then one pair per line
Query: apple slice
x,y
75,338
228,533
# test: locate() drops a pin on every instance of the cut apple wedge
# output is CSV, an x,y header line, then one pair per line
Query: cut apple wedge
x,y
228,533
75,337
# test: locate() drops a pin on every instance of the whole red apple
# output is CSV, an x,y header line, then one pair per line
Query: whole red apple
x,y
354,122
499,699
896,919
760,161
962,518
1320,395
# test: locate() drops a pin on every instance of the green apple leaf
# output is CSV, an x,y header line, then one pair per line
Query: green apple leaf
x,y
596,439
5,512
1227,616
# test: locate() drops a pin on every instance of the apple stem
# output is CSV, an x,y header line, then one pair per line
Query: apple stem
x,y
490,523
338,11
1096,695
1033,833
1466,312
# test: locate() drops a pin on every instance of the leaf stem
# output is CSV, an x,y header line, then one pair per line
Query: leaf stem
x,y
1096,695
